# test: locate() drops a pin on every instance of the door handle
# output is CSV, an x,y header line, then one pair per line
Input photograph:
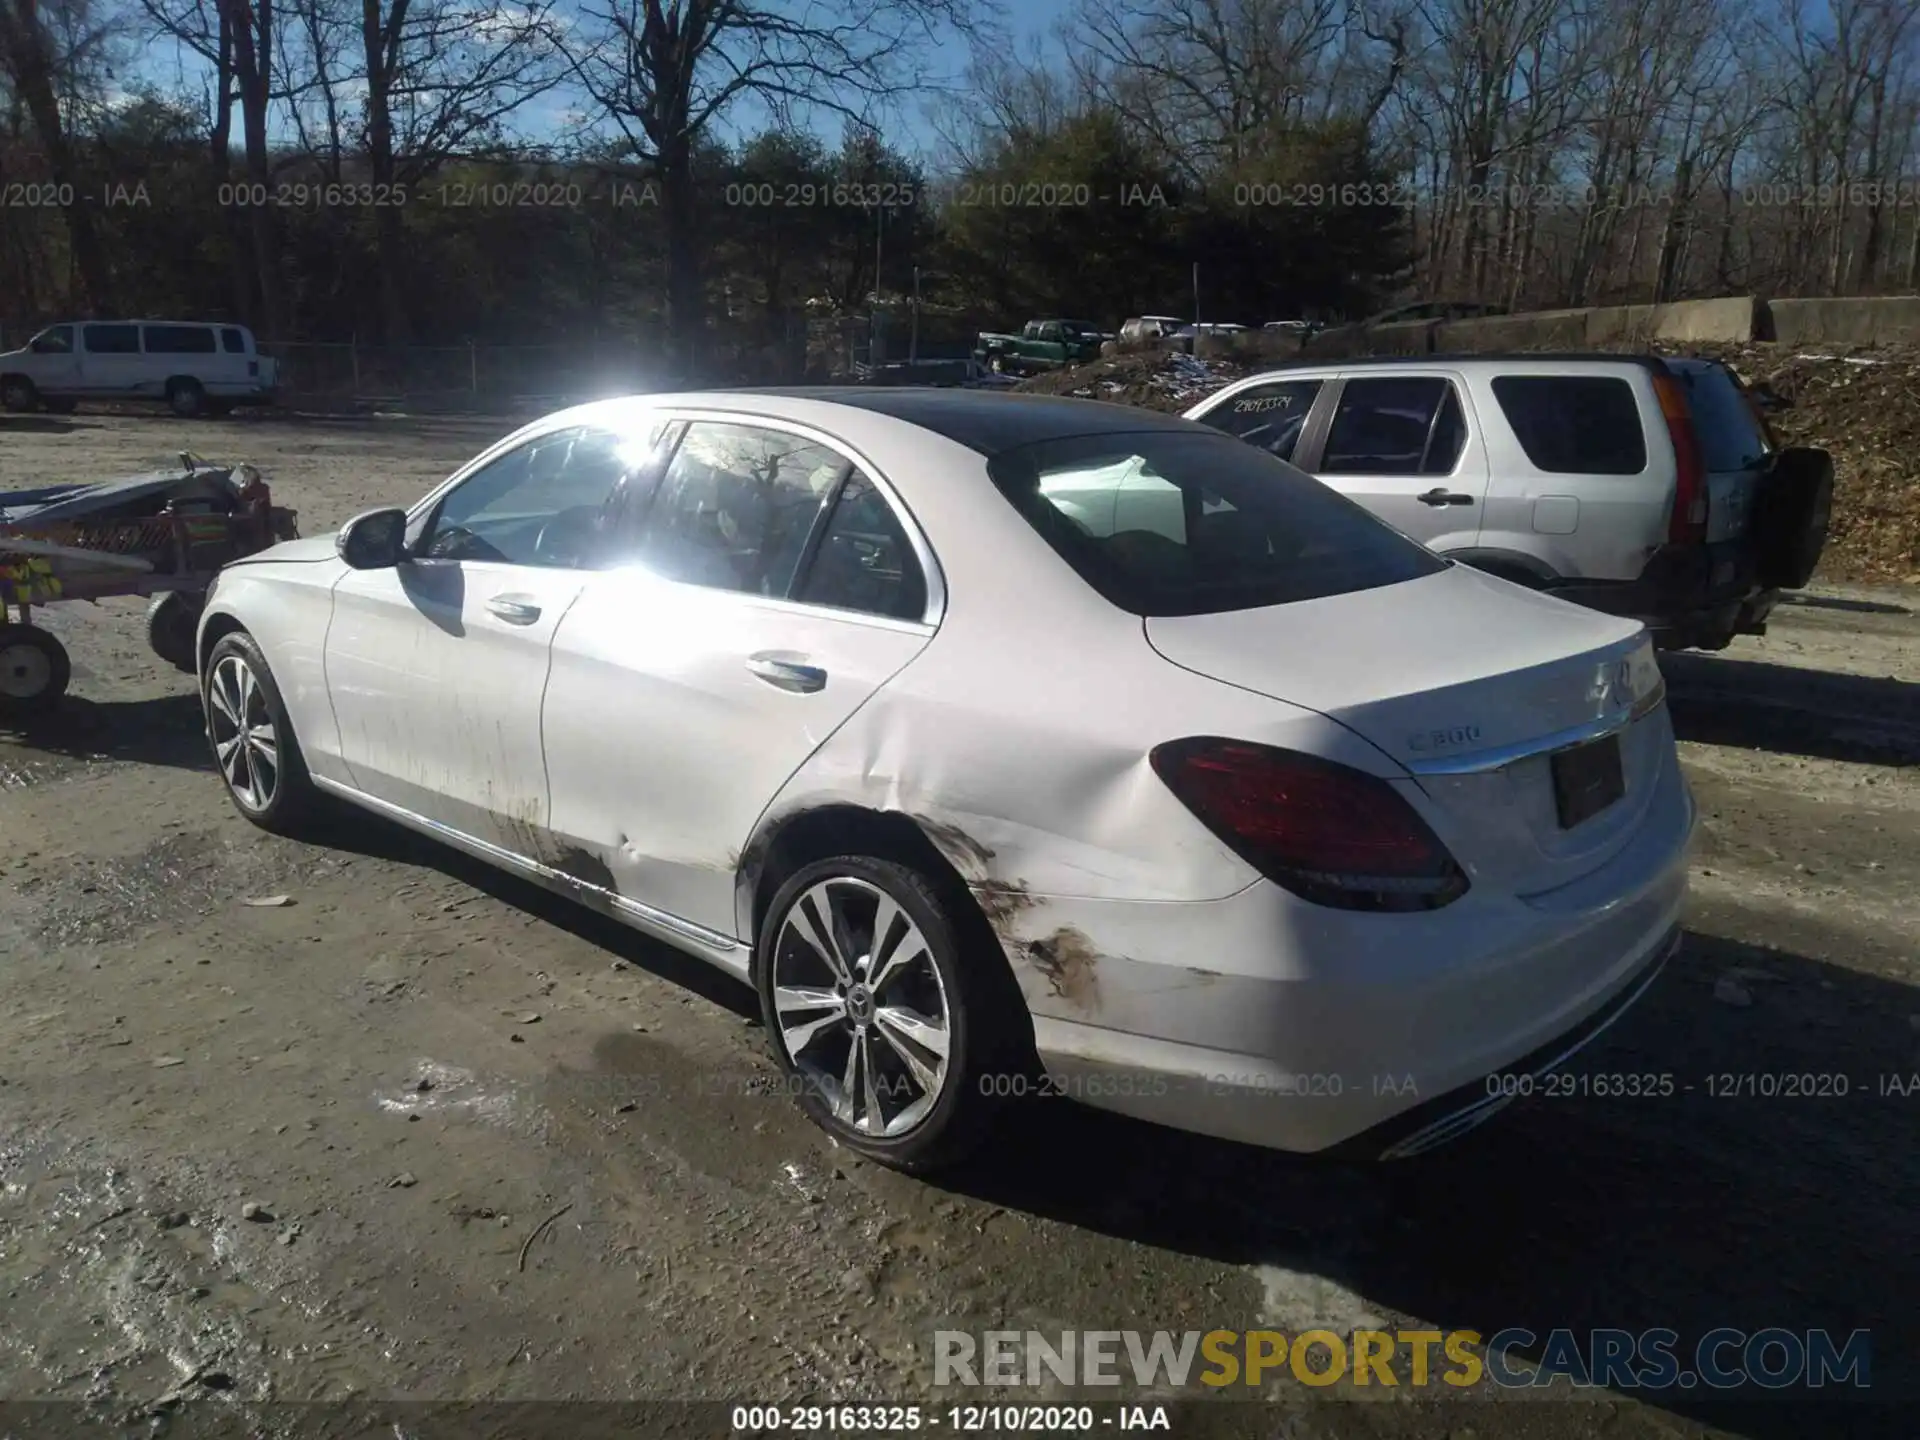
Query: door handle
x,y
787,674
1438,496
514,609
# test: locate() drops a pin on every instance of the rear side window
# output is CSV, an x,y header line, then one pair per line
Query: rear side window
x,y
179,340
1187,523
1269,416
1730,437
865,561
1404,425
233,340
112,339
1574,424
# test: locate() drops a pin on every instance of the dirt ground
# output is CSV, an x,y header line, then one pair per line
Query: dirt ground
x,y
425,1133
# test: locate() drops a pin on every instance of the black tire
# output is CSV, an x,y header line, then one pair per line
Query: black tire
x,y
292,803
173,623
186,398
1794,514
979,1028
997,364
35,671
60,404
19,394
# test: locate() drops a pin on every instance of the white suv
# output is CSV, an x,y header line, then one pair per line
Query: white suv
x,y
1633,484
195,367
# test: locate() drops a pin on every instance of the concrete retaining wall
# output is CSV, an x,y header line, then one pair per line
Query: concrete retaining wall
x,y
1737,319
1861,320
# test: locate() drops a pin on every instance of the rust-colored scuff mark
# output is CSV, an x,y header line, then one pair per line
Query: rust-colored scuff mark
x,y
1070,964
1002,901
966,854
586,867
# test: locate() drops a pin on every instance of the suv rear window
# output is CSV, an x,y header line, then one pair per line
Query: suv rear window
x,y
1172,523
1574,424
1730,437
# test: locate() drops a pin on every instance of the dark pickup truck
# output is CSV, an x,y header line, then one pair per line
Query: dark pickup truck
x,y
1042,345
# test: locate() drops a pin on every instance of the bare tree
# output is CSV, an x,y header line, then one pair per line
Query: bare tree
x,y
664,71
44,53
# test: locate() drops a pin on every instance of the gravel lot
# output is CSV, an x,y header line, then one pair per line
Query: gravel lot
x,y
414,1066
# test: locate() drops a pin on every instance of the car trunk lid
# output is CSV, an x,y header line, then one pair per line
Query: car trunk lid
x,y
1473,685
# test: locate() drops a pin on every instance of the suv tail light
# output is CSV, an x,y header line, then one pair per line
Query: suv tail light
x,y
1326,832
1689,523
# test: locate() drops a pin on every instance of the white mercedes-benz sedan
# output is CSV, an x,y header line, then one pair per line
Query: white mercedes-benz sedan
x,y
1006,745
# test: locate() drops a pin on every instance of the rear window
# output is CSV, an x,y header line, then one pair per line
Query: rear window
x,y
1730,437
179,340
233,340
1171,523
1574,424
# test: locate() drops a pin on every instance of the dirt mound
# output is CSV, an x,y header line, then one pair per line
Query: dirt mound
x,y
1162,381
1862,404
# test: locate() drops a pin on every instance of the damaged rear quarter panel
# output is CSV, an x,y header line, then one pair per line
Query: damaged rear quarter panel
x,y
1031,777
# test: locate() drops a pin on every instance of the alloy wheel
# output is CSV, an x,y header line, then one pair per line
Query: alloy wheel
x,y
863,1012
245,742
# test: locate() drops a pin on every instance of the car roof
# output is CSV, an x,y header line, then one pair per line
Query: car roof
x,y
1496,357
984,421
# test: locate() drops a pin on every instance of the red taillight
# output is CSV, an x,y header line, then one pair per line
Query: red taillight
x,y
1689,523
1326,832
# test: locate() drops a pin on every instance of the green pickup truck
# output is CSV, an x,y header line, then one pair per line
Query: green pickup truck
x,y
1042,345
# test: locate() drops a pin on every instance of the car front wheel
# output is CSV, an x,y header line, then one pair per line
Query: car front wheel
x,y
885,1031
253,743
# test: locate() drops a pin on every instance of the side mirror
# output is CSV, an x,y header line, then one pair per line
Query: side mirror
x,y
374,540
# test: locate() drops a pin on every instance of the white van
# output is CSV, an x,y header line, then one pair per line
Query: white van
x,y
196,368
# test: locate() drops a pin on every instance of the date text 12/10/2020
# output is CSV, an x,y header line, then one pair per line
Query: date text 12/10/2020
x,y
961,1419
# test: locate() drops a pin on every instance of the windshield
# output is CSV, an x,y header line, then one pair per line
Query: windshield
x,y
1177,523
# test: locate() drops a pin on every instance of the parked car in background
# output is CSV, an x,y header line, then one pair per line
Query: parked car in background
x,y
194,367
1041,345
981,732
1631,484
1149,329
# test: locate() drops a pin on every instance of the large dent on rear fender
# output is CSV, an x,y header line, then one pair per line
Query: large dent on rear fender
x,y
1040,814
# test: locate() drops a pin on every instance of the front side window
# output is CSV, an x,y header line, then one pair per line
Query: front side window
x,y
112,339
543,503
56,340
1401,425
1269,416
1188,523
736,507
865,561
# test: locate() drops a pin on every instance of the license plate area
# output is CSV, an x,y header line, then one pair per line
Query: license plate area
x,y
1587,779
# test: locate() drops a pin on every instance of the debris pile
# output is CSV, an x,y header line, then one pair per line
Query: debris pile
x,y
1862,404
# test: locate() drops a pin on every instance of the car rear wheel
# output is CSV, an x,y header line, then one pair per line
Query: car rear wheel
x,y
253,742
17,393
34,671
186,398
886,1033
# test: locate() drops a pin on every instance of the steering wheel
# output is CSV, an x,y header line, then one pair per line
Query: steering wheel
x,y
566,538
456,542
